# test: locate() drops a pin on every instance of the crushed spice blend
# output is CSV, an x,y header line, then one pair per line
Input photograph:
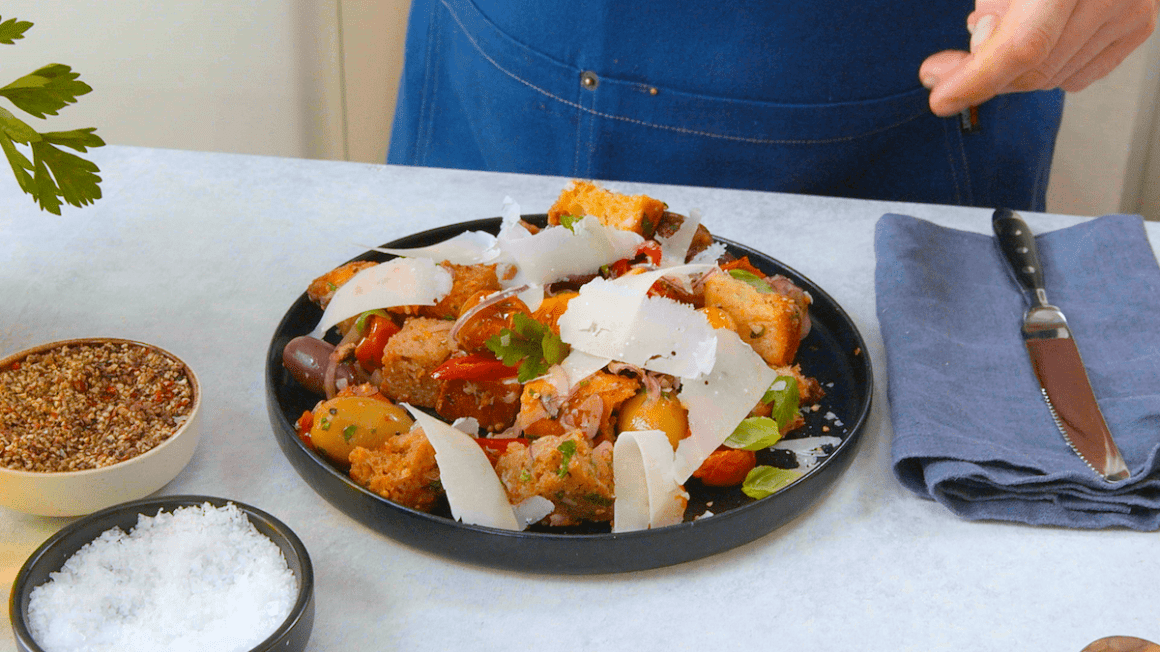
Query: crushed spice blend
x,y
86,406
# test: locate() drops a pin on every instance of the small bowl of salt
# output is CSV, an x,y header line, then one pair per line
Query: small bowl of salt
x,y
170,573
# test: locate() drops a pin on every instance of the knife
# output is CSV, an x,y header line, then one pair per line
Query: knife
x,y
1055,357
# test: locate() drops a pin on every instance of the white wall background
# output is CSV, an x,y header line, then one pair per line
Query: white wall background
x,y
317,79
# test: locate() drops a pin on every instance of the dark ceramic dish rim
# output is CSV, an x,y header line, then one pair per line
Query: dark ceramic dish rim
x,y
570,553
69,539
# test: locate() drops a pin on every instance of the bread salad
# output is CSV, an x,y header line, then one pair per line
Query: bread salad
x,y
589,370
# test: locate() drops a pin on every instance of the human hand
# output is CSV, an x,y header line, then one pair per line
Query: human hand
x,y
1028,45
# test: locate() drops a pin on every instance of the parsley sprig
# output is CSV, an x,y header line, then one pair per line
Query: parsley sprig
x,y
53,174
529,344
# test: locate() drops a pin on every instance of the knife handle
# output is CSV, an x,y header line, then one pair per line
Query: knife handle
x,y
1018,246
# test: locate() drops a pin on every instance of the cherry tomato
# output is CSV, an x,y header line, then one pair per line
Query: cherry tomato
x,y
304,424
369,350
726,467
494,448
651,250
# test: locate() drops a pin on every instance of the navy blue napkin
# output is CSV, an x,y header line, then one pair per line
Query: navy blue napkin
x,y
971,429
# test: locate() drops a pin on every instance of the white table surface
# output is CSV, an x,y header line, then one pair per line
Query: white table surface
x,y
203,253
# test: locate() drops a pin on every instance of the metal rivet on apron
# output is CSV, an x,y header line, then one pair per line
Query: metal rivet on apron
x,y
589,80
652,91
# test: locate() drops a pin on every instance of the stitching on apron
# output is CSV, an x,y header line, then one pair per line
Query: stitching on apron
x,y
693,132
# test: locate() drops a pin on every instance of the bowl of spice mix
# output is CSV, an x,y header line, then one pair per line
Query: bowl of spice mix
x,y
167,573
89,423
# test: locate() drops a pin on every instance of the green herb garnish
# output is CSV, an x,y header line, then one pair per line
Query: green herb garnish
x,y
751,279
783,394
763,481
568,448
52,174
361,323
348,432
529,344
754,434
569,221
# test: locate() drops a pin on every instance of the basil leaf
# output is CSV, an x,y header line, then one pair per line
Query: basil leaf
x,y
765,481
754,434
786,399
751,279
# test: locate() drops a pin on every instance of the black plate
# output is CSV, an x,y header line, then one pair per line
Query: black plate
x,y
834,353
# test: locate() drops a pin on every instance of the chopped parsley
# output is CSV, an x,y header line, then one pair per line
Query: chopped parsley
x,y
348,432
569,221
568,448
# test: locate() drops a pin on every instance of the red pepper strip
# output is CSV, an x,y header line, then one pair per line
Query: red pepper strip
x,y
369,350
650,249
305,423
493,448
743,263
477,366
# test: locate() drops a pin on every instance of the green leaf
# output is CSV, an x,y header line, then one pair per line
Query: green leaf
x,y
56,174
16,129
754,434
46,90
73,178
529,344
765,481
78,139
752,280
568,448
21,166
783,393
12,30
360,324
569,221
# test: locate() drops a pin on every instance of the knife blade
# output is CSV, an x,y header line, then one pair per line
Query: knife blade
x,y
1055,358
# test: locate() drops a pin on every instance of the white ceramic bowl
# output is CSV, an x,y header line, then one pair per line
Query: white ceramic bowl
x,y
76,493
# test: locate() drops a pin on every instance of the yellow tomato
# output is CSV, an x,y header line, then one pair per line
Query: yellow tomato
x,y
346,422
664,412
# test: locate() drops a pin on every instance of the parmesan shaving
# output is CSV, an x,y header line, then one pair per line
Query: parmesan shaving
x,y
467,248
675,248
557,252
474,491
398,282
647,495
719,401
618,320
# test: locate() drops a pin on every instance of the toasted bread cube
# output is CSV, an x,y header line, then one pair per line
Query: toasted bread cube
x,y
409,358
637,213
768,322
466,282
402,469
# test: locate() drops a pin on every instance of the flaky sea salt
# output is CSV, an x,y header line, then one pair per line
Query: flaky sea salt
x,y
199,578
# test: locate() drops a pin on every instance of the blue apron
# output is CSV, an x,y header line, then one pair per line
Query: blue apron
x,y
814,97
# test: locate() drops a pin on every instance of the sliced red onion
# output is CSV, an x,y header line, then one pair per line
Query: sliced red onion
x,y
490,300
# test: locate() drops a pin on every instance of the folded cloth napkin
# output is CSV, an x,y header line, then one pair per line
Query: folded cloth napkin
x,y
971,429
